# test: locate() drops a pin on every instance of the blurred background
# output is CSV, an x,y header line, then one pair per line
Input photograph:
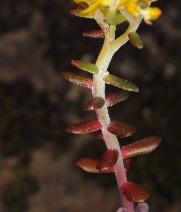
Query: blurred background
x,y
38,39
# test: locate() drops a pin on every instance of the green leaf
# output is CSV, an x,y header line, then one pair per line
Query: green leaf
x,y
110,14
118,19
89,67
135,40
120,83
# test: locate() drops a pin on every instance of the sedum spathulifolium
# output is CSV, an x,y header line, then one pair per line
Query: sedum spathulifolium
x,y
108,14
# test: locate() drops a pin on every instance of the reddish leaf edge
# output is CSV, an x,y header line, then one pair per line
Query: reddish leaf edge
x,y
95,103
141,147
94,34
134,192
77,79
90,164
120,129
84,127
108,160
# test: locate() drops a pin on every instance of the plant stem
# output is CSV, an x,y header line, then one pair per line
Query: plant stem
x,y
111,140
110,46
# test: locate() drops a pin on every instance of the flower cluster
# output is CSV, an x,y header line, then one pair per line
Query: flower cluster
x,y
136,8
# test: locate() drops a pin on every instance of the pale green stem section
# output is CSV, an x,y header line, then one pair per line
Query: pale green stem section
x,y
110,46
111,141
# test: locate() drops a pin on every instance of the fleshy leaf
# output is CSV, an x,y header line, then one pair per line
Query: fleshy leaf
x,y
135,40
78,79
95,103
110,14
142,207
84,127
83,6
141,147
89,67
94,34
120,83
108,160
113,98
89,165
120,129
134,192
97,134
78,13
117,19
127,165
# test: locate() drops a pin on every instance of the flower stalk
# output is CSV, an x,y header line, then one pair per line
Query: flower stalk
x,y
111,140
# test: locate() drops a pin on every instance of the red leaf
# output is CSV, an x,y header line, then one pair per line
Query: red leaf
x,y
95,103
97,134
134,192
120,129
94,34
83,6
141,147
116,97
77,79
84,127
78,12
89,165
108,160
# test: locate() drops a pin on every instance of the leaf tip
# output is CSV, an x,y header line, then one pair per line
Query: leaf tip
x,y
108,160
134,192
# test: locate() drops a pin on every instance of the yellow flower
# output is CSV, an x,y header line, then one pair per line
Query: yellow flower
x,y
141,7
152,13
134,7
93,5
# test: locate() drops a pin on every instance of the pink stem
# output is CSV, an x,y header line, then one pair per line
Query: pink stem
x,y
111,140
112,143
